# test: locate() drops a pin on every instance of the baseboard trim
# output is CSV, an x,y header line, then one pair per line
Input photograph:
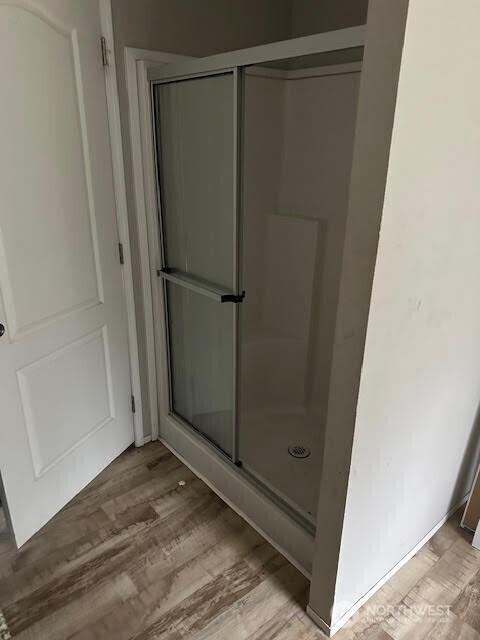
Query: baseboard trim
x,y
320,622
331,630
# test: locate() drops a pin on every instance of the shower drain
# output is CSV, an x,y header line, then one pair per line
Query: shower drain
x,y
298,451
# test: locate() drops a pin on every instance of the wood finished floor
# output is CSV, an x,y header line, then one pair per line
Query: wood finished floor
x,y
138,556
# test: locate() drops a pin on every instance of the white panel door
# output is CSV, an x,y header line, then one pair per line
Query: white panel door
x,y
65,410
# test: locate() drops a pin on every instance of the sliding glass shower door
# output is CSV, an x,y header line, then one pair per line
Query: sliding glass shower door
x,y
267,132
196,147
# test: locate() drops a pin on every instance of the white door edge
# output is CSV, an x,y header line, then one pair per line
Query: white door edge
x,y
113,107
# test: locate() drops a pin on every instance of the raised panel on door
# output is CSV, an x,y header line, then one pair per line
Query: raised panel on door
x,y
65,391
80,374
48,246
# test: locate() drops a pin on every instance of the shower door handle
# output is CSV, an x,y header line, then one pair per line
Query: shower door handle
x,y
231,297
219,294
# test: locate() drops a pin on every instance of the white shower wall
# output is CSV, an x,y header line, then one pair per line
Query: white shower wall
x,y
299,139
297,157
263,149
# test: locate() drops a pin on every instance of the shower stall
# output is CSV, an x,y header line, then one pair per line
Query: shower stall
x,y
253,153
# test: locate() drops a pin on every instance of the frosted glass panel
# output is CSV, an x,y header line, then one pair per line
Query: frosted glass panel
x,y
195,146
201,360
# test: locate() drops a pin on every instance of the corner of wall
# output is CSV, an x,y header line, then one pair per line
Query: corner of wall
x,y
378,91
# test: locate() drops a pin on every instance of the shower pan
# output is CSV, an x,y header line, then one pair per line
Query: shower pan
x,y
253,153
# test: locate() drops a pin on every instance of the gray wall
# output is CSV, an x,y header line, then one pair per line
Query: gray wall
x,y
315,16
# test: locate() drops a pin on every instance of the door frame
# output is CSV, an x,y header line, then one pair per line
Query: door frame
x,y
138,63
114,123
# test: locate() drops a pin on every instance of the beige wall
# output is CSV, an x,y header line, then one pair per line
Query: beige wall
x,y
191,28
314,16
198,28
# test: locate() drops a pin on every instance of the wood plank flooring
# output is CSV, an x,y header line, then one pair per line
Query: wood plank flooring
x,y
139,556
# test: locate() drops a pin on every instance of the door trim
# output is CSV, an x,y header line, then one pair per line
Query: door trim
x,y
114,123
138,63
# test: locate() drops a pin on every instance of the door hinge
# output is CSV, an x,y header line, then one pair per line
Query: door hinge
x,y
104,50
120,253
133,404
